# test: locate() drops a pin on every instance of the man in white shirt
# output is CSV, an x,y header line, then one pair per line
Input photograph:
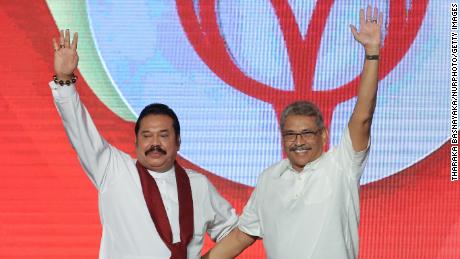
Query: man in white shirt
x,y
307,206
149,208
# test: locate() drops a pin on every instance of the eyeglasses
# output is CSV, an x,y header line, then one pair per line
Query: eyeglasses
x,y
291,136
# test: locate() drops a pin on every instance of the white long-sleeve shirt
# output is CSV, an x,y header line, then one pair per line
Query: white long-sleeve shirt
x,y
127,228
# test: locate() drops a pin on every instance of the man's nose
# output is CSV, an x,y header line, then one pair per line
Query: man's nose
x,y
298,139
155,141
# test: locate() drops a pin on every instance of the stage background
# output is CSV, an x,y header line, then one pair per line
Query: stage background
x,y
227,68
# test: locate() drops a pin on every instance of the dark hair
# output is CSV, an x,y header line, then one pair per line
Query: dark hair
x,y
158,109
302,108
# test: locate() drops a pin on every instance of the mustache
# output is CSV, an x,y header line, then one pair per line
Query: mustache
x,y
156,148
299,148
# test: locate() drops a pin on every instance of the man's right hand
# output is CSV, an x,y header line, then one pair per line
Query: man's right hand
x,y
231,246
65,55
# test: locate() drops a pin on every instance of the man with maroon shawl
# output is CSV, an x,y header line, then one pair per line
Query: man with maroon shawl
x,y
150,207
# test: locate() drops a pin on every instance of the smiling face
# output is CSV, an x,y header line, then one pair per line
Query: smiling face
x,y
303,140
156,143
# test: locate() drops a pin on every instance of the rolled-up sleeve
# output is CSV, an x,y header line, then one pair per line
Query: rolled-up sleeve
x,y
250,220
348,158
223,215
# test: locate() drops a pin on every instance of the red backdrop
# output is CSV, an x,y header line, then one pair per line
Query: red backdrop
x,y
48,208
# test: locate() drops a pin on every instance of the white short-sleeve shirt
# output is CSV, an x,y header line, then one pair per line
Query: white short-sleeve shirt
x,y
309,214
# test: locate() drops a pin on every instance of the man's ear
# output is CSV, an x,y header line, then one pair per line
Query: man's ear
x,y
324,135
178,141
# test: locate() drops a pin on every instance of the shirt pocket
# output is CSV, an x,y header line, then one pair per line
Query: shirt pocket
x,y
317,190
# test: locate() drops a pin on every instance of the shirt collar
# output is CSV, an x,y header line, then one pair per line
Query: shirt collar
x,y
163,175
311,166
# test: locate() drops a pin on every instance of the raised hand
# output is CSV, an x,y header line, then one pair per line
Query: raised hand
x,y
65,55
370,30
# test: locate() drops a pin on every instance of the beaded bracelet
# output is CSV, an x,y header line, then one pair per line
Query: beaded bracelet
x,y
67,82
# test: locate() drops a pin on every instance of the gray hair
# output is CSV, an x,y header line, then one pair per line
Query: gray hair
x,y
304,108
